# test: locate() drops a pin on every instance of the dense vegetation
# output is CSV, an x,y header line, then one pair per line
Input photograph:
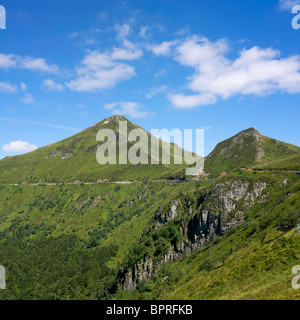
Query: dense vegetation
x,y
56,268
57,243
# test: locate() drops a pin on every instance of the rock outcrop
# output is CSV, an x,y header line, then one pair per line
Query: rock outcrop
x,y
203,218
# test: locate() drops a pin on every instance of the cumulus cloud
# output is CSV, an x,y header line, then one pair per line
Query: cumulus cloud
x,y
255,71
132,109
182,101
287,5
103,70
100,72
7,87
52,85
18,146
163,49
128,52
8,61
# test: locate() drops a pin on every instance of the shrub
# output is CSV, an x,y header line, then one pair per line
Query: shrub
x,y
207,265
288,220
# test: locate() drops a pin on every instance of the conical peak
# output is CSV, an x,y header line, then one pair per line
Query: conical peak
x,y
115,118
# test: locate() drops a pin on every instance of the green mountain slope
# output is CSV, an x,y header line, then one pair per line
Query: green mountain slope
x,y
75,159
71,239
246,149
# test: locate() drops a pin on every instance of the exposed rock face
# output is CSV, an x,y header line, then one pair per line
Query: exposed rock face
x,y
211,214
61,154
169,215
139,272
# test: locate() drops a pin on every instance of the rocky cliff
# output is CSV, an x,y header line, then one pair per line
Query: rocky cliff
x,y
198,219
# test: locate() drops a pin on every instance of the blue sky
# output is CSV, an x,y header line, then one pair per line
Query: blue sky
x,y
223,66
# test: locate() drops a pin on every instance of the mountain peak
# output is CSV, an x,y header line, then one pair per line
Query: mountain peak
x,y
250,131
245,149
115,117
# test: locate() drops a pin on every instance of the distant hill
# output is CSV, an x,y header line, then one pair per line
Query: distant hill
x,y
246,149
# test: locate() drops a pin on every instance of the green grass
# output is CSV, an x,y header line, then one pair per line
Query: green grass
x,y
290,163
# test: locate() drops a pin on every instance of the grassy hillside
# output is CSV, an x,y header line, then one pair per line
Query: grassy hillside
x,y
75,159
55,240
246,149
291,163
251,261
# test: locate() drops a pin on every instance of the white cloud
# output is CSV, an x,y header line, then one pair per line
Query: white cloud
x,y
52,85
163,49
36,65
199,52
28,99
7,87
182,101
287,5
8,61
18,146
100,72
128,52
132,109
104,70
255,71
